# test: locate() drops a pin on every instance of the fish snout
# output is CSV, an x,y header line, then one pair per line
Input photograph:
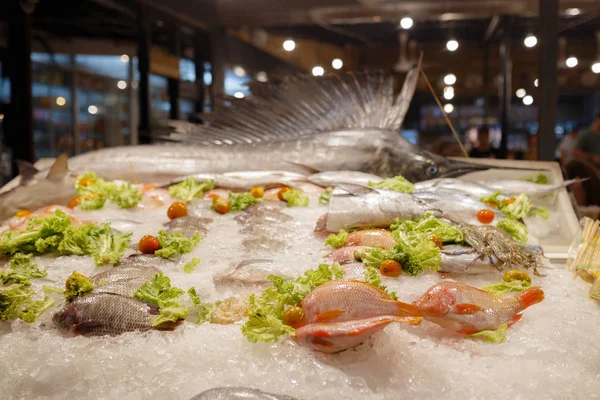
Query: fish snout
x,y
66,319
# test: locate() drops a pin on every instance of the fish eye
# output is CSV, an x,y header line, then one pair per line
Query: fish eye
x,y
429,297
432,170
421,202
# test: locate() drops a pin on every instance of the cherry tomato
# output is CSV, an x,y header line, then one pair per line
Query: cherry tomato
x,y
86,182
221,205
437,241
75,202
212,196
282,191
23,213
492,204
294,317
257,192
390,268
509,201
485,216
148,244
177,210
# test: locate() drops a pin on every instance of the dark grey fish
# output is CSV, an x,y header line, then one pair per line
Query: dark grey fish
x,y
342,122
107,314
239,393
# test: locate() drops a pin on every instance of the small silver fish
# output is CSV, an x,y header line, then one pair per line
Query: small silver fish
x,y
515,187
332,178
243,181
454,185
100,314
249,271
123,280
263,217
265,230
238,393
458,207
263,245
188,226
36,190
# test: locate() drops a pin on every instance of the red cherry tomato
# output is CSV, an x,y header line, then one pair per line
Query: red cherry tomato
x,y
485,216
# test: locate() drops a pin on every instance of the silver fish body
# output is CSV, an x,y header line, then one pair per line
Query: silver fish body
x,y
332,178
248,272
243,181
458,207
464,260
516,187
123,280
454,185
188,226
106,314
238,393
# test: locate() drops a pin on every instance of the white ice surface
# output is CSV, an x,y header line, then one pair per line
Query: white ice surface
x,y
552,353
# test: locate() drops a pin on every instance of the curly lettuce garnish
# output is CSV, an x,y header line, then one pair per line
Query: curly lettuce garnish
x,y
497,336
373,278
175,243
34,309
76,285
515,229
190,189
540,179
295,198
265,322
337,240
159,292
241,201
94,192
325,197
190,266
430,226
12,299
397,183
204,310
97,240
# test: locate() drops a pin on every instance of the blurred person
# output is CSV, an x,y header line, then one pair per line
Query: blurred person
x,y
532,149
446,148
484,147
587,193
588,144
567,146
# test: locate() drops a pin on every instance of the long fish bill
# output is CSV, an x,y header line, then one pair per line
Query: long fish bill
x,y
459,168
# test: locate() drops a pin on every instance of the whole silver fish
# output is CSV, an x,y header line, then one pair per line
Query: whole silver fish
x,y
516,187
38,190
263,244
331,178
475,189
249,271
243,181
123,280
458,207
106,314
354,206
238,393
188,226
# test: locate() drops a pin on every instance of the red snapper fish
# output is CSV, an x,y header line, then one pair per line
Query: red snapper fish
x,y
465,309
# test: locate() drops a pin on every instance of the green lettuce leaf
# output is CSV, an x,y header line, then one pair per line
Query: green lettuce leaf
x,y
265,328
326,195
540,179
97,240
519,208
515,229
22,265
241,201
503,288
540,211
429,226
35,308
295,198
159,291
76,285
203,310
189,267
337,240
497,336
373,278
12,298
175,243
126,195
190,189
397,183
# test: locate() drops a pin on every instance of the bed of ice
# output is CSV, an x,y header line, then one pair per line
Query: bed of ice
x,y
552,352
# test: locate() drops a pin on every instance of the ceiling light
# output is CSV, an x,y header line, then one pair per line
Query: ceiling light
x,y
530,41
528,100
452,45
450,79
122,85
124,58
1,117
93,109
596,67
238,95
239,71
536,82
318,70
448,92
406,23
261,76
571,62
337,63
448,108
377,19
289,45
573,11
61,101
521,93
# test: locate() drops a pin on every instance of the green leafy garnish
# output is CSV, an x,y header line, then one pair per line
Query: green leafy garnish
x,y
76,285
159,292
373,278
190,189
504,287
326,195
540,179
189,267
497,336
175,243
337,240
265,322
204,310
126,195
93,192
34,309
21,270
397,183
52,290
515,229
540,211
241,201
429,226
519,208
295,198
12,299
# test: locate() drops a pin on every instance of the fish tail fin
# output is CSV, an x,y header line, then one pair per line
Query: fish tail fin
x,y
406,310
168,325
531,296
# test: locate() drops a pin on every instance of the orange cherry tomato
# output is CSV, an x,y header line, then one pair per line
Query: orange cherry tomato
x,y
148,244
257,192
492,204
485,216
86,182
437,241
390,268
282,191
177,210
75,202
509,201
221,205
294,317
212,196
23,213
